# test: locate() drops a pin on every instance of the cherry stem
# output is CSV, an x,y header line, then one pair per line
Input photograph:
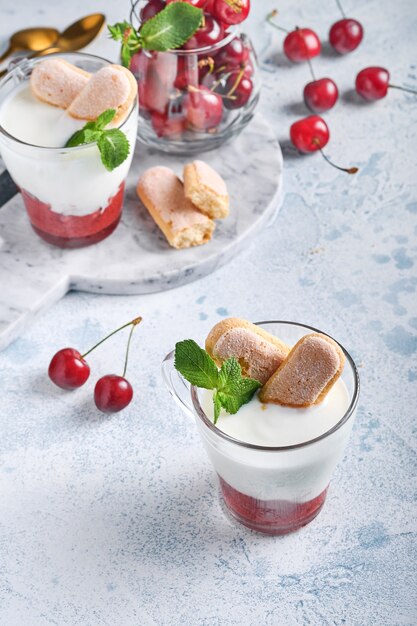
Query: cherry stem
x,y
310,65
348,170
133,323
128,348
237,82
402,88
341,9
207,61
269,18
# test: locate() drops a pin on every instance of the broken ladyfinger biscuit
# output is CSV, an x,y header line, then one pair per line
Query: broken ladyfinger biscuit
x,y
258,352
57,82
307,374
206,189
162,193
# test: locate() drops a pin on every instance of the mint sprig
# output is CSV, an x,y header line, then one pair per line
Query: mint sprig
x,y
112,142
167,30
231,389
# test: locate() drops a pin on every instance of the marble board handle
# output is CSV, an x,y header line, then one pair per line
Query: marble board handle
x,y
24,298
7,188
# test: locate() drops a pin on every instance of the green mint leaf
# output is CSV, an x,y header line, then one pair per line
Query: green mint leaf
x,y
77,139
129,38
217,406
232,401
230,372
171,27
104,119
247,386
195,365
83,136
114,148
234,389
91,131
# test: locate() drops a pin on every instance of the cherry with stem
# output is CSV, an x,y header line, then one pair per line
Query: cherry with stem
x,y
113,393
320,94
346,34
311,134
372,83
68,368
300,44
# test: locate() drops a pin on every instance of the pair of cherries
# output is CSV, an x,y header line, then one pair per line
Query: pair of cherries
x,y
372,83
69,370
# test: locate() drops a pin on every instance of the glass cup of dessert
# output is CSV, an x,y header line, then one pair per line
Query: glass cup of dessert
x,y
195,98
274,463
71,199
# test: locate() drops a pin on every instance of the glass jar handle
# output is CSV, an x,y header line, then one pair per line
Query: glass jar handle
x,y
177,386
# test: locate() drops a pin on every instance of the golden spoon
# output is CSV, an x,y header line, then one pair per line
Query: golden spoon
x,y
78,35
33,39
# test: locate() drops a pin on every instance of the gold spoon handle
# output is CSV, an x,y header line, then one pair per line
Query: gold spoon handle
x,y
7,53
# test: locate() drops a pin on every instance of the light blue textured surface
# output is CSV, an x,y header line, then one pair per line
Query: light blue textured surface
x,y
115,520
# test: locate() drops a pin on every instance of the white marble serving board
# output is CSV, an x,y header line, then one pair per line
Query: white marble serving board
x,y
136,258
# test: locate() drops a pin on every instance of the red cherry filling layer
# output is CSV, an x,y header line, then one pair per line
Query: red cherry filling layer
x,y
73,231
277,517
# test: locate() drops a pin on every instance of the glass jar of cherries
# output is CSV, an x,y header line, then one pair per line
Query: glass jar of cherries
x,y
195,98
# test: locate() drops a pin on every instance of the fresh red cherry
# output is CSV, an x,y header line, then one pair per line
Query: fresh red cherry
x,y
321,95
209,34
150,9
112,393
234,53
166,126
203,108
372,83
301,44
68,369
309,134
231,12
237,94
200,4
346,35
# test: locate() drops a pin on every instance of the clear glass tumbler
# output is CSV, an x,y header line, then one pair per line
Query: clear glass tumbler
x,y
71,199
192,100
273,490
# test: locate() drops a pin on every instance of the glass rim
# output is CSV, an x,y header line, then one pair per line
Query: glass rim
x,y
33,62
234,31
346,416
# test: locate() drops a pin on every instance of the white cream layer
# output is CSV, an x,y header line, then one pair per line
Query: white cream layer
x,y
297,475
74,182
28,119
275,425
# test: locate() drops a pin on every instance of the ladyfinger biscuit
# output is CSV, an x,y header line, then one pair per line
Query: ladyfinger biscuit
x,y
57,82
112,87
162,193
258,352
206,189
307,374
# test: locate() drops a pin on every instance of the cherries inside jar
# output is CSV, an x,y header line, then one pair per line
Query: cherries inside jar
x,y
195,98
